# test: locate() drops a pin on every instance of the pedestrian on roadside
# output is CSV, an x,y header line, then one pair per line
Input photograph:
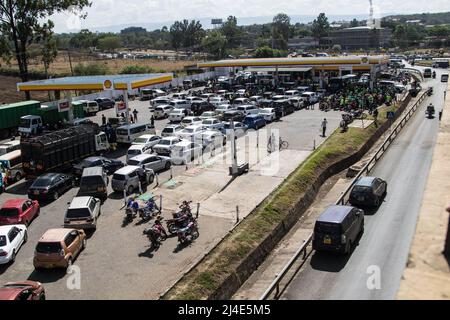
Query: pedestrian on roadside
x,y
375,116
103,120
135,113
152,121
440,114
324,127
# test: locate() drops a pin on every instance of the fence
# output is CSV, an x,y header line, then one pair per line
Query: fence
x,y
302,253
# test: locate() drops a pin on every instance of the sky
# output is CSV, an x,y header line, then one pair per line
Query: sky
x,y
105,13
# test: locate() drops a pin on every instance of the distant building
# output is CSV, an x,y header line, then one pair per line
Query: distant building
x,y
361,38
303,43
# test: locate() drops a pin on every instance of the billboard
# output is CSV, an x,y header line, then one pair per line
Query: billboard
x,y
63,106
216,21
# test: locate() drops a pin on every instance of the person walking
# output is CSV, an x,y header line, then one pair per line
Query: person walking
x,y
135,113
324,127
375,116
103,120
152,121
440,114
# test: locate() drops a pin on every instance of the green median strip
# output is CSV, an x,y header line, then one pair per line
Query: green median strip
x,y
203,281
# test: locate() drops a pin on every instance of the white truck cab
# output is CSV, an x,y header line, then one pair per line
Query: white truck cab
x,y
30,125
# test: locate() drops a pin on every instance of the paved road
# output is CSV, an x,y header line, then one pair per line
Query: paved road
x,y
117,263
389,231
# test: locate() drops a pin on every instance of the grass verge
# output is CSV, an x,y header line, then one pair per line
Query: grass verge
x,y
221,262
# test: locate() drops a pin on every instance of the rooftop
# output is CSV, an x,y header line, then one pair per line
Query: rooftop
x,y
106,82
335,214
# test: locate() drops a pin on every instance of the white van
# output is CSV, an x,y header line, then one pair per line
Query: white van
x,y
248,109
127,134
159,102
180,104
177,115
162,112
310,97
292,93
89,107
8,147
185,152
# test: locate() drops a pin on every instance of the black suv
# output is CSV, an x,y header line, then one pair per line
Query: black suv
x,y
338,229
105,103
368,191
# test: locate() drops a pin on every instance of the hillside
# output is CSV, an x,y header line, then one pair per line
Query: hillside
x,y
426,18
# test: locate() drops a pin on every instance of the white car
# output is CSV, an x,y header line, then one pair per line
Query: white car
x,y
241,92
310,97
212,123
191,132
206,115
191,99
165,146
297,102
212,139
191,121
185,152
137,150
12,238
217,101
292,93
161,101
220,110
256,99
241,102
148,140
268,114
171,130
177,115
278,97
163,111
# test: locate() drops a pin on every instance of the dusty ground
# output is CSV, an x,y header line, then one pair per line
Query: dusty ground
x,y
9,94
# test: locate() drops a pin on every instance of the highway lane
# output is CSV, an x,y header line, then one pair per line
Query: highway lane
x,y
388,233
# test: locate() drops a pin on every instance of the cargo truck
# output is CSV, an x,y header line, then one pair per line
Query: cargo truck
x,y
10,115
59,150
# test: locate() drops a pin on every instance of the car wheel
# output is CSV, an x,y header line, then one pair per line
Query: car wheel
x,y
73,184
18,176
42,297
84,244
130,189
13,256
25,237
377,202
168,165
348,248
55,196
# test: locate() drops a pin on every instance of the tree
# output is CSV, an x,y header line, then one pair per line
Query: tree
x,y
320,27
20,24
186,34
354,23
231,31
215,44
49,49
281,30
336,48
110,43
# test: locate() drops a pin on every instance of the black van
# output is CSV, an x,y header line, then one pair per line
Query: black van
x,y
94,183
338,229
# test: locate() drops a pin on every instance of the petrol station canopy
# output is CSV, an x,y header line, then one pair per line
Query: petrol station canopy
x,y
100,83
317,63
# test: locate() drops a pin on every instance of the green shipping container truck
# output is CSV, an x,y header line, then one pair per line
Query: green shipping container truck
x,y
10,115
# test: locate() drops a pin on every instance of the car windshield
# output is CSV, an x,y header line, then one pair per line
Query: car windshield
x,y
133,163
2,241
43,182
265,111
134,152
48,247
86,163
25,123
188,131
122,132
9,212
78,213
187,121
324,227
119,177
140,140
361,189
165,142
91,183
208,122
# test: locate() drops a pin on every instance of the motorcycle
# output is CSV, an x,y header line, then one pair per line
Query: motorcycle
x,y
130,214
156,234
149,211
434,75
430,111
188,234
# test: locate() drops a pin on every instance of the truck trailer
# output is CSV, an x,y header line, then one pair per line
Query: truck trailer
x,y
59,150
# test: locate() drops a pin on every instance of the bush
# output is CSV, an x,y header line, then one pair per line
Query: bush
x,y
94,69
136,70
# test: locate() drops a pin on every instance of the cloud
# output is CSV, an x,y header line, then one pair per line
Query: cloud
x,y
114,12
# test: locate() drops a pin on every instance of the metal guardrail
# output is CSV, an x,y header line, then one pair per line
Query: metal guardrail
x,y
302,251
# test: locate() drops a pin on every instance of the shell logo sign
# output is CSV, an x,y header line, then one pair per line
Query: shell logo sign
x,y
364,60
107,85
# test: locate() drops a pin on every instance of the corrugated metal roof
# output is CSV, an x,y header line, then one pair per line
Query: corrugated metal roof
x,y
273,69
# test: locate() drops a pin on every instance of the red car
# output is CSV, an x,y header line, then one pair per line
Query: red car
x,y
19,211
26,290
